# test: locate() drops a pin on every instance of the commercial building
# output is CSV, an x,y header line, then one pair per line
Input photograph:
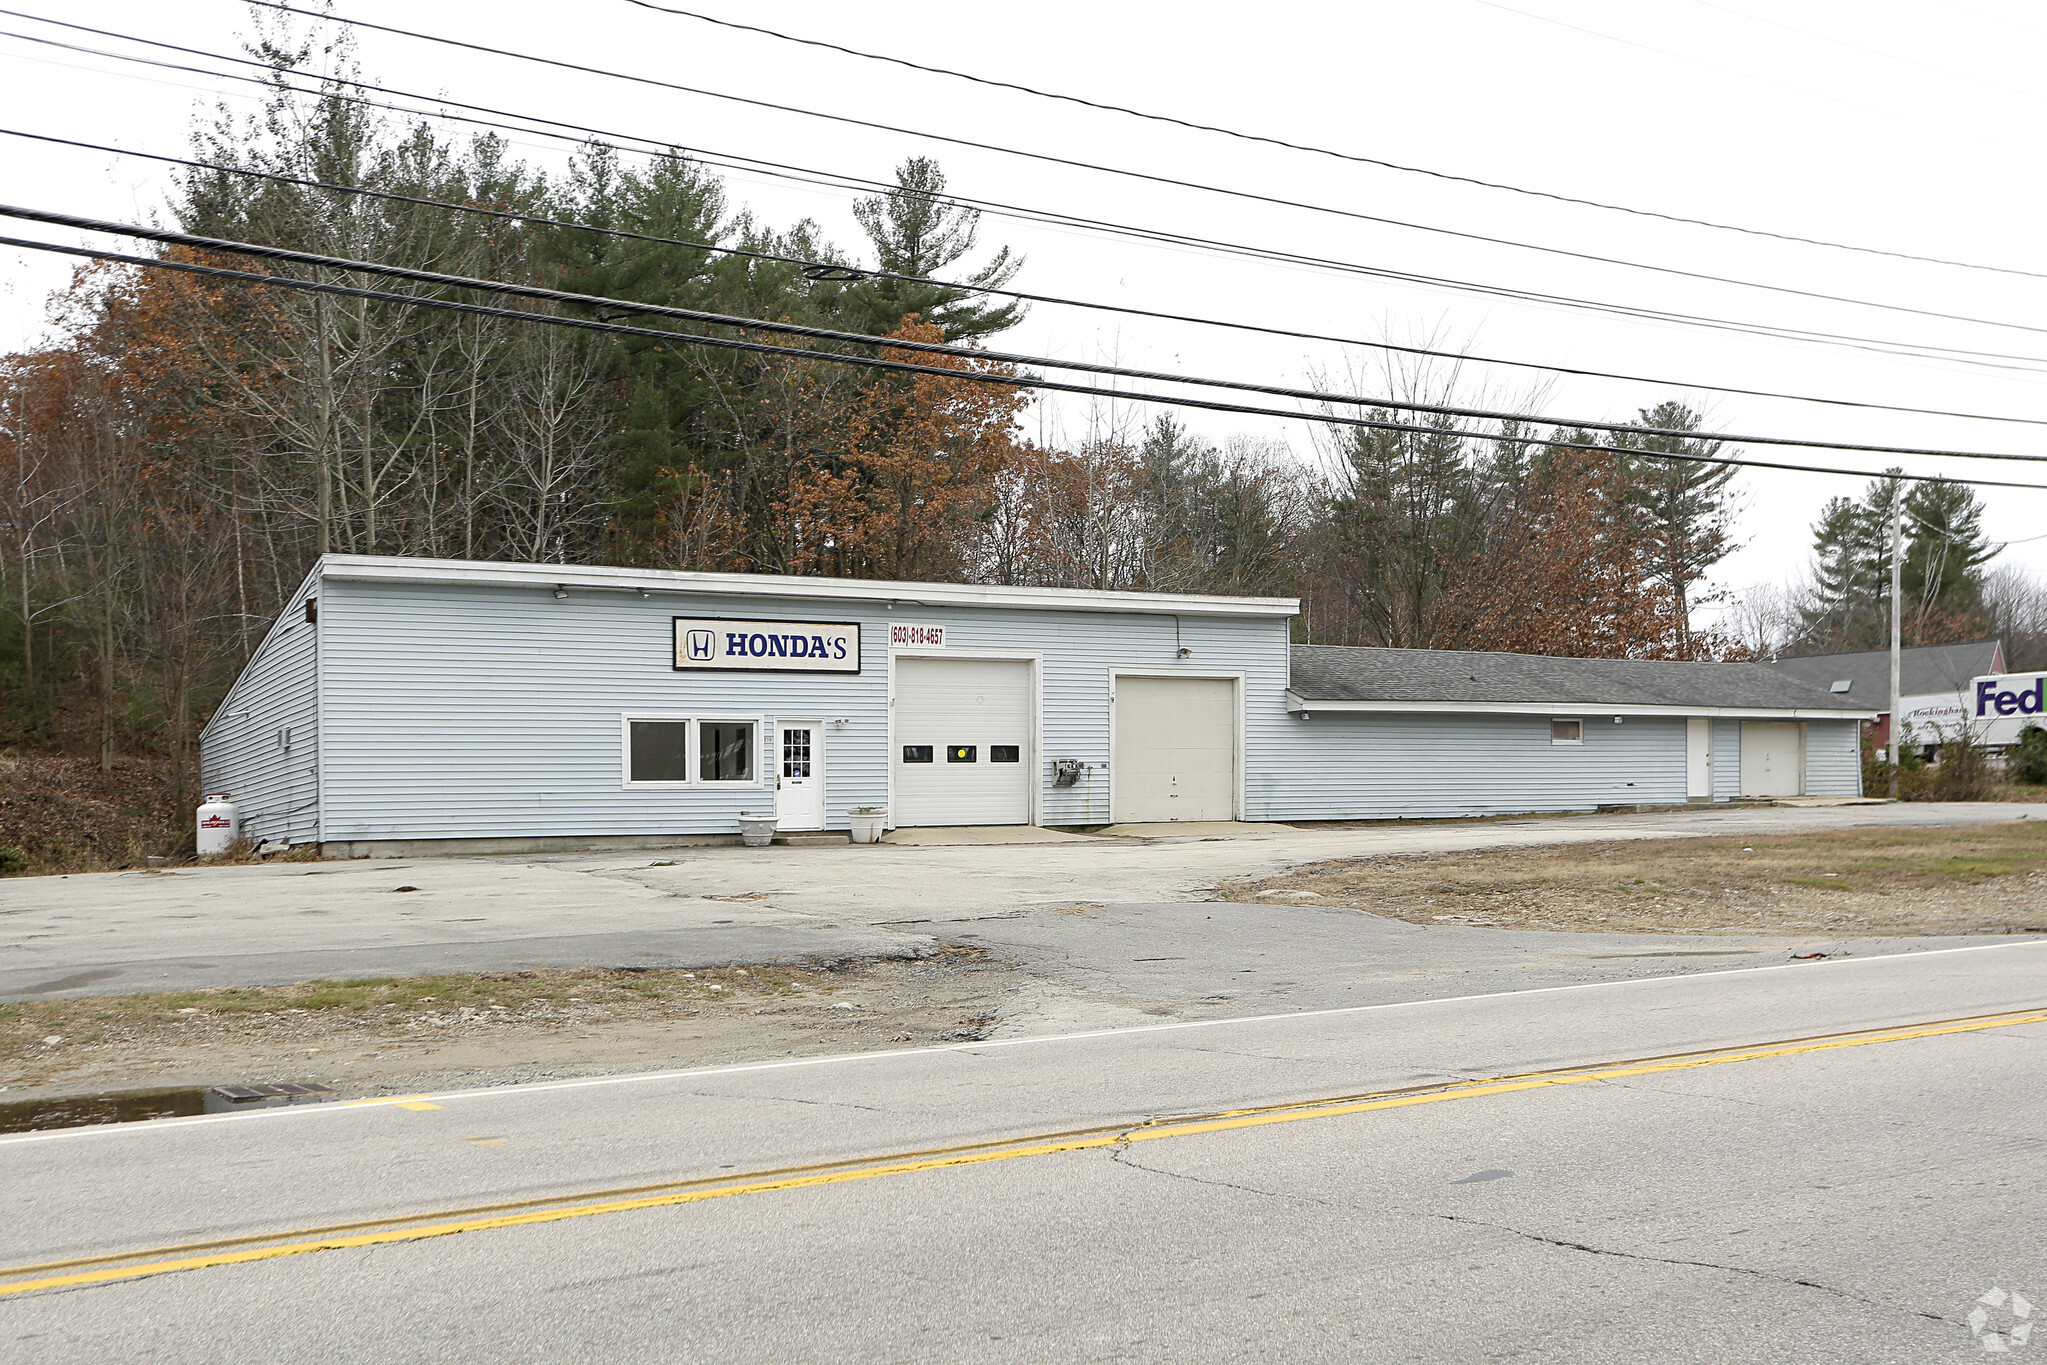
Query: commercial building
x,y
1449,732
404,705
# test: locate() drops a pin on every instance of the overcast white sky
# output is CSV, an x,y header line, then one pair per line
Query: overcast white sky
x,y
1907,127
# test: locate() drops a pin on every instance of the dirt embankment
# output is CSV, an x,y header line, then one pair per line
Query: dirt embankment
x,y
1984,878
62,814
446,1032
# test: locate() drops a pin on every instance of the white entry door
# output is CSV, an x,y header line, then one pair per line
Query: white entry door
x,y
1772,758
1176,750
799,781
962,742
1698,759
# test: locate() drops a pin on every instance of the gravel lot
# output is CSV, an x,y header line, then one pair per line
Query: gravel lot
x,y
1984,878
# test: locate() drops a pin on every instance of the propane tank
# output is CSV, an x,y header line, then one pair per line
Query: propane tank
x,y
220,824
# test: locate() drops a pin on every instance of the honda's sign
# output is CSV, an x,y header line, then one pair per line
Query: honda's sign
x,y
767,646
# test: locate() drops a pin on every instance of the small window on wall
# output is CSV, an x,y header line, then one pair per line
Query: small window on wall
x,y
960,753
658,751
1003,753
1567,732
684,751
796,751
916,753
725,750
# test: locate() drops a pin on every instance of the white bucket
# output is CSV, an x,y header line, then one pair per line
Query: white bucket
x,y
756,831
866,828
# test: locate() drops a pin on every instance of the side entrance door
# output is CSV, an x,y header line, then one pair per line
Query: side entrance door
x,y
1698,759
799,781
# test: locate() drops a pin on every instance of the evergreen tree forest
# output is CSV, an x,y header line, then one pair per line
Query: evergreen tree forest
x,y
174,461
1943,586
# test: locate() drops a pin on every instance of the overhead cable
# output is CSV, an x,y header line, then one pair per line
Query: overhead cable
x,y
541,294
1101,168
862,273
1328,151
1034,382
1996,360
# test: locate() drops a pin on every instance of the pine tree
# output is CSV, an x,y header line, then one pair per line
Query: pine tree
x,y
1945,552
916,231
1683,504
1848,607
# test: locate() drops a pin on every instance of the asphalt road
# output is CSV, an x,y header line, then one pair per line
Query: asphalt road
x,y
1814,1194
112,933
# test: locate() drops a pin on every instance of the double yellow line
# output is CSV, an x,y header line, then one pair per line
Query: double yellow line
x,y
415,1227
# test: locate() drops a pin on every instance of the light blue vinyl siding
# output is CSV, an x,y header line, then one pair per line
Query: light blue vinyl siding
x,y
1385,765
1833,758
460,712
241,750
1726,760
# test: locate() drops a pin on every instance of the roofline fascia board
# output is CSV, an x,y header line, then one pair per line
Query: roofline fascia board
x,y
1297,703
365,569
277,627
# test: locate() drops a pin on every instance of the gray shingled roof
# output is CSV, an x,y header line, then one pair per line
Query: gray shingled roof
x,y
1923,672
1347,673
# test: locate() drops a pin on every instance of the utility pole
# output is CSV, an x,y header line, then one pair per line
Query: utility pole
x,y
1897,628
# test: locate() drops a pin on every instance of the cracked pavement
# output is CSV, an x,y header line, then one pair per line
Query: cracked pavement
x,y
1115,930
1825,1204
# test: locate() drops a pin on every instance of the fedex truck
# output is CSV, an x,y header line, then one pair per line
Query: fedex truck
x,y
2003,704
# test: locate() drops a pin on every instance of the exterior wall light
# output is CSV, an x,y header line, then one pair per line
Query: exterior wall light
x,y
560,593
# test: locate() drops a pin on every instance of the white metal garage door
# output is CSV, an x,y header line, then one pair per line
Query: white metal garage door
x,y
1176,750
1772,758
963,742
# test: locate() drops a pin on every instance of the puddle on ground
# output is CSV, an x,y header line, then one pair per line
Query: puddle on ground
x,y
136,1106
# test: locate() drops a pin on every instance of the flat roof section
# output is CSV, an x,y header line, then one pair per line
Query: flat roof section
x,y
599,578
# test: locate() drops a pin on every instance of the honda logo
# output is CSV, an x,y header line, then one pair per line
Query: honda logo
x,y
700,644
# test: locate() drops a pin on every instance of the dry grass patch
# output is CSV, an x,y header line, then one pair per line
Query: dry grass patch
x,y
1871,881
388,1026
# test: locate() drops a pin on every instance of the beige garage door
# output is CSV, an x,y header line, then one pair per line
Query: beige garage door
x,y
1772,758
1176,750
962,742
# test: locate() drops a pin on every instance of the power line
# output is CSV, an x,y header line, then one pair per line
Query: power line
x,y
1871,51
1001,381
542,294
1104,169
1997,360
1026,296
1326,151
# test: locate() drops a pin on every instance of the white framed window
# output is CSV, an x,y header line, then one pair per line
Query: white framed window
x,y
728,753
689,751
1567,732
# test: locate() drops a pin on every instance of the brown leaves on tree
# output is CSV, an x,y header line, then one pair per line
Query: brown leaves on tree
x,y
902,491
1570,573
